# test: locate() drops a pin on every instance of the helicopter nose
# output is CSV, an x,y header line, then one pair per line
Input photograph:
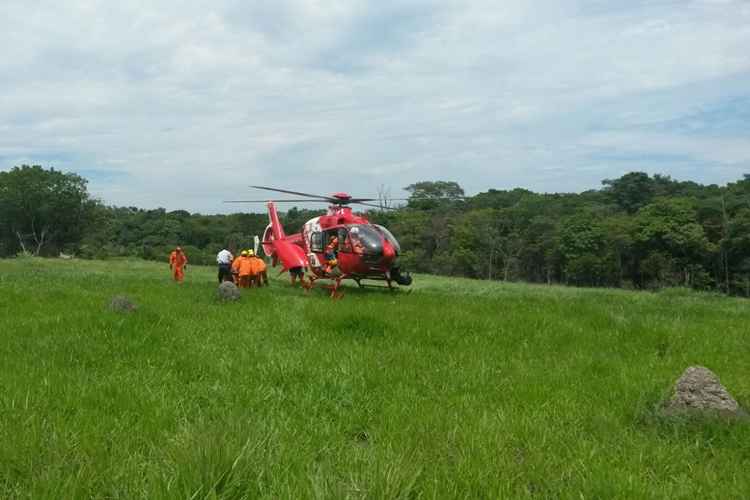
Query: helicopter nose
x,y
389,253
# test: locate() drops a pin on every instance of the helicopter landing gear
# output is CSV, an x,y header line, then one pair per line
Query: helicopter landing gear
x,y
310,284
401,278
334,289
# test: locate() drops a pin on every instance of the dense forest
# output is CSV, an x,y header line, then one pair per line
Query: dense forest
x,y
638,231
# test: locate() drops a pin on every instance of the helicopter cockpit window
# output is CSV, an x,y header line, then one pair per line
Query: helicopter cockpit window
x,y
391,239
316,242
342,233
365,239
345,242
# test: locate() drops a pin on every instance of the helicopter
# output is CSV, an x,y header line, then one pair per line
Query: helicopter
x,y
337,246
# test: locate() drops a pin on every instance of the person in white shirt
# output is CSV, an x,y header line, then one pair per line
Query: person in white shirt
x,y
224,259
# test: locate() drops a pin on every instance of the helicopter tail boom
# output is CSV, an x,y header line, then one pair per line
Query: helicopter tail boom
x,y
280,247
273,220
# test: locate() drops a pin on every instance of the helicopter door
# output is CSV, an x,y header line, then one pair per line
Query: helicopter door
x,y
316,245
339,233
316,242
347,259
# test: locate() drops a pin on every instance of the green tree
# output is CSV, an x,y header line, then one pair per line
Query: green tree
x,y
582,248
737,247
427,195
42,211
474,238
412,228
669,226
631,191
619,234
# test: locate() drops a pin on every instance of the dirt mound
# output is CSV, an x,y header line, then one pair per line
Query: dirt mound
x,y
228,291
698,390
122,303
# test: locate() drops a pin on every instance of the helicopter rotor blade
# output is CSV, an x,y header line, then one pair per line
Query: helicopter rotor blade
x,y
293,192
305,200
327,198
360,201
375,206
316,198
308,201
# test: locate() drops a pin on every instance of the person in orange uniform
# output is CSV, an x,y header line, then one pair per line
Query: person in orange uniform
x,y
260,276
178,263
246,270
236,267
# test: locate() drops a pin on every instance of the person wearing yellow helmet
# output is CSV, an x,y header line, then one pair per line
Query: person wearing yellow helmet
x,y
246,269
260,275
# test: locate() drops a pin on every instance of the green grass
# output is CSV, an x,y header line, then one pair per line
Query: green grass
x,y
460,389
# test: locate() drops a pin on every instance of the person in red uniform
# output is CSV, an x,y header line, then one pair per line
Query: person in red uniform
x,y
177,263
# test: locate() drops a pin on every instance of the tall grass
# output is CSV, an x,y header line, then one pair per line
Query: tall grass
x,y
460,389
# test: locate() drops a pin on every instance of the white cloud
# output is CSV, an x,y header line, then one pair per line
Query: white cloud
x,y
191,101
711,151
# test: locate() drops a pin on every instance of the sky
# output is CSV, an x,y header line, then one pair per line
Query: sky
x,y
184,104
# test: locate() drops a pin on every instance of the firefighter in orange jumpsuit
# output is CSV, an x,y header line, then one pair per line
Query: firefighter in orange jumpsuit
x,y
260,276
236,267
246,270
177,263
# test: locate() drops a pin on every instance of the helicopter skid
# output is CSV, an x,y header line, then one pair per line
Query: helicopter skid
x,y
332,287
391,287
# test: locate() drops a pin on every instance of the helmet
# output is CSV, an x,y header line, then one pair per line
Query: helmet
x,y
251,252
244,253
179,249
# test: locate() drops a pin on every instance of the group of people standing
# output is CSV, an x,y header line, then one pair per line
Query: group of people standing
x,y
246,270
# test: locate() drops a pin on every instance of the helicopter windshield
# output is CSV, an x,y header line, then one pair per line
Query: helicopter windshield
x,y
365,239
391,239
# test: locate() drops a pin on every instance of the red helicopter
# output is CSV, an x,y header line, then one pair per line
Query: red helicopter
x,y
336,246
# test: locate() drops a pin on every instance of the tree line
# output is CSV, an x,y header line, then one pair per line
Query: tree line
x,y
637,231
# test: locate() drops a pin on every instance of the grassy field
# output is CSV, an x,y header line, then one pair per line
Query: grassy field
x,y
460,389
